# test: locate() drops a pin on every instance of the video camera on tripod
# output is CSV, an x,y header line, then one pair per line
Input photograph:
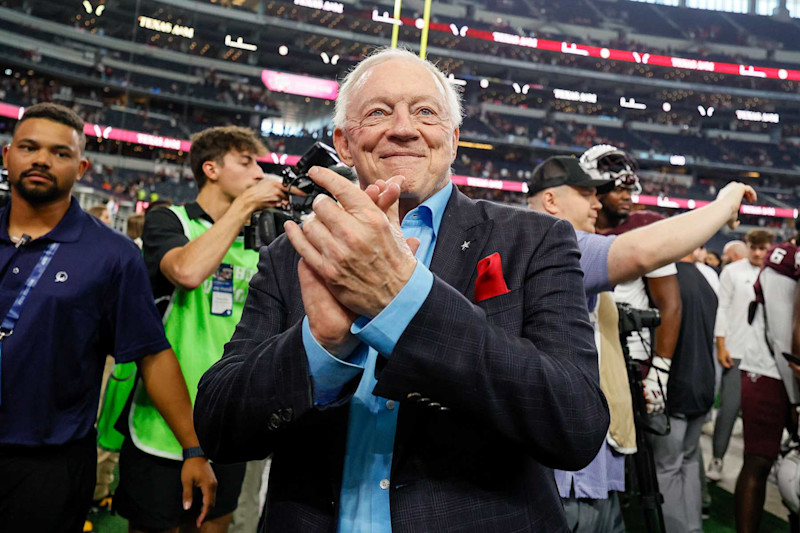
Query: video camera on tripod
x,y
265,226
635,320
632,319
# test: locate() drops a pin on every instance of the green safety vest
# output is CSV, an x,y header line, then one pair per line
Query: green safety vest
x,y
196,336
119,388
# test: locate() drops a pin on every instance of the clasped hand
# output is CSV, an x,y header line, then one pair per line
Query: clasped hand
x,y
738,192
354,258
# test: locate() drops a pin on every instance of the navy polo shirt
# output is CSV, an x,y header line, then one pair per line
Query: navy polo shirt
x,y
94,299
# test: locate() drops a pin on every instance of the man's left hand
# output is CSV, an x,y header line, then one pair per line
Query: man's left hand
x,y
354,247
197,472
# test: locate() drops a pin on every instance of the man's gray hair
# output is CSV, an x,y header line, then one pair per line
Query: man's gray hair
x,y
356,77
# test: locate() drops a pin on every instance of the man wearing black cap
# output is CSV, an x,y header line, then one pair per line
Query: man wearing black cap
x,y
560,187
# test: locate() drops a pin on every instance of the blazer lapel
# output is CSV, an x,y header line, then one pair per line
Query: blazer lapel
x,y
461,240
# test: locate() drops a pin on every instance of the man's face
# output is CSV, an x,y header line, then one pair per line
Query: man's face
x,y
44,161
578,205
237,172
756,253
398,125
617,202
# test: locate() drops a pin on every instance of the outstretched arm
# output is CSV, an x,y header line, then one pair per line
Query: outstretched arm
x,y
642,250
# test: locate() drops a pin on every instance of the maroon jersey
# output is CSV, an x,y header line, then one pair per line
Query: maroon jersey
x,y
636,219
784,259
774,288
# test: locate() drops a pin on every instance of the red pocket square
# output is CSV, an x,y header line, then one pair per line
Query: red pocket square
x,y
490,282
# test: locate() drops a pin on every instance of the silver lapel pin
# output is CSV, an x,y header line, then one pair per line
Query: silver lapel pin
x,y
465,246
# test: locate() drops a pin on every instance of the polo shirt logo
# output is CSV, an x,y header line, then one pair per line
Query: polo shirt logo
x,y
61,277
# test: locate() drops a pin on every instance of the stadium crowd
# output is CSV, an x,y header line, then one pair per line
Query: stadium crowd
x,y
359,343
200,271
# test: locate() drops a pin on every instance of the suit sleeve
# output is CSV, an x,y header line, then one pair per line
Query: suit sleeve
x,y
540,389
262,385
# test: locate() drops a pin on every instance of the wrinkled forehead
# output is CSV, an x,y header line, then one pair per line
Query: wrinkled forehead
x,y
395,80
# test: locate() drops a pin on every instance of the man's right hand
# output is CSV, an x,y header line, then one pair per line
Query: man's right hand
x,y
329,320
737,192
724,357
264,194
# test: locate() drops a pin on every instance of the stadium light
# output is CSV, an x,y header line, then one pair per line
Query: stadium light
x,y
283,50
456,81
757,116
331,7
484,83
98,11
705,112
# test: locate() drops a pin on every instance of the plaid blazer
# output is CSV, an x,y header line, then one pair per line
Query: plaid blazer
x,y
494,394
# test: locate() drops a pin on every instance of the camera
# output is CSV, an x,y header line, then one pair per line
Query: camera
x,y
266,225
632,319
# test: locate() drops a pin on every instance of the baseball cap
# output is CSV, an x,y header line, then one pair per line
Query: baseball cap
x,y
564,170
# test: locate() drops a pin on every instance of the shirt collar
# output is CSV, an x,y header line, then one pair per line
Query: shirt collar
x,y
68,229
432,209
193,210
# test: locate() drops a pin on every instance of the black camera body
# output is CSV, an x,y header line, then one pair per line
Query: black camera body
x,y
632,319
265,226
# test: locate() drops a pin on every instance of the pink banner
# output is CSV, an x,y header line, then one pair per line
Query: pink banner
x,y
10,111
135,137
302,85
688,203
643,58
146,139
486,183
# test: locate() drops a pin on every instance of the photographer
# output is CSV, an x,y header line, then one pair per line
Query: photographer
x,y
200,271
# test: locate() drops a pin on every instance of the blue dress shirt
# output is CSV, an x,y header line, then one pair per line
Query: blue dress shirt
x,y
606,472
364,497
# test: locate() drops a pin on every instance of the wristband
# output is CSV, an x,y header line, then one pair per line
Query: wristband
x,y
195,451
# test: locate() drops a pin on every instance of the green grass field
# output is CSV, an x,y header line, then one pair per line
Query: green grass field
x,y
720,521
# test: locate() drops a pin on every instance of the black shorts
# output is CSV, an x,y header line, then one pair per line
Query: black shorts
x,y
47,488
150,493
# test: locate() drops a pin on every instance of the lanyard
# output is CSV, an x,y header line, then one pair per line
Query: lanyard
x,y
10,321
